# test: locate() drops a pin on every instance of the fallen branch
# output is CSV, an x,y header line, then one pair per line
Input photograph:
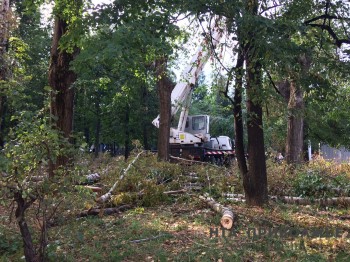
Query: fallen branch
x,y
104,211
94,188
175,192
233,195
108,195
228,216
333,201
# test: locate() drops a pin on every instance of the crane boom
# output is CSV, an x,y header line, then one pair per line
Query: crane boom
x,y
191,138
182,93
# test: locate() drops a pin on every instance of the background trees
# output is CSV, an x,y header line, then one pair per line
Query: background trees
x,y
289,64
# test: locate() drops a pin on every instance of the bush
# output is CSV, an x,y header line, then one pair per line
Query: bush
x,y
310,184
317,184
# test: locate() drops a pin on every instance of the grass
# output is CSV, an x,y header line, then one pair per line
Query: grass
x,y
178,228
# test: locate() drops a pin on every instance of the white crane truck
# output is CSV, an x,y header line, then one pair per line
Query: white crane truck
x,y
191,138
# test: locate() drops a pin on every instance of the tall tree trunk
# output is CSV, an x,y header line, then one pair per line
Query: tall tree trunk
x,y
255,183
98,124
293,94
145,119
61,79
238,118
127,132
295,129
4,68
165,88
295,138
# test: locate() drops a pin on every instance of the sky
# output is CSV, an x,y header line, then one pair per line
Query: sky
x,y
96,2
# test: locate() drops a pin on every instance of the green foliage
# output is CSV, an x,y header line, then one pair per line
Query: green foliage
x,y
328,119
210,101
27,63
123,53
310,185
9,244
34,144
71,12
315,184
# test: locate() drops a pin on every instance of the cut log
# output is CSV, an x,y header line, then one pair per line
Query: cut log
x,y
228,216
333,201
233,195
104,198
227,219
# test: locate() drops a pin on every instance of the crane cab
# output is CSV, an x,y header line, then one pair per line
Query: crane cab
x,y
198,125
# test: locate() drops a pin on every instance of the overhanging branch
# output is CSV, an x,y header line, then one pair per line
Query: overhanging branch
x,y
338,41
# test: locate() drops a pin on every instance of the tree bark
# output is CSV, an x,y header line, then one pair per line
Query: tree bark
x,y
165,88
61,79
238,117
107,196
145,118
293,94
4,69
29,251
98,124
295,138
127,133
228,217
255,182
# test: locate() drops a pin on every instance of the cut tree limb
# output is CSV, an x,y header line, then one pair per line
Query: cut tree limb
x,y
333,201
228,216
108,195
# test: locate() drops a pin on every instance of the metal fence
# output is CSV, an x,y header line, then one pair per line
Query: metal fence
x,y
338,155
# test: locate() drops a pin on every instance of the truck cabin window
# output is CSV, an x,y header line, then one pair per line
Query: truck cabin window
x,y
198,123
